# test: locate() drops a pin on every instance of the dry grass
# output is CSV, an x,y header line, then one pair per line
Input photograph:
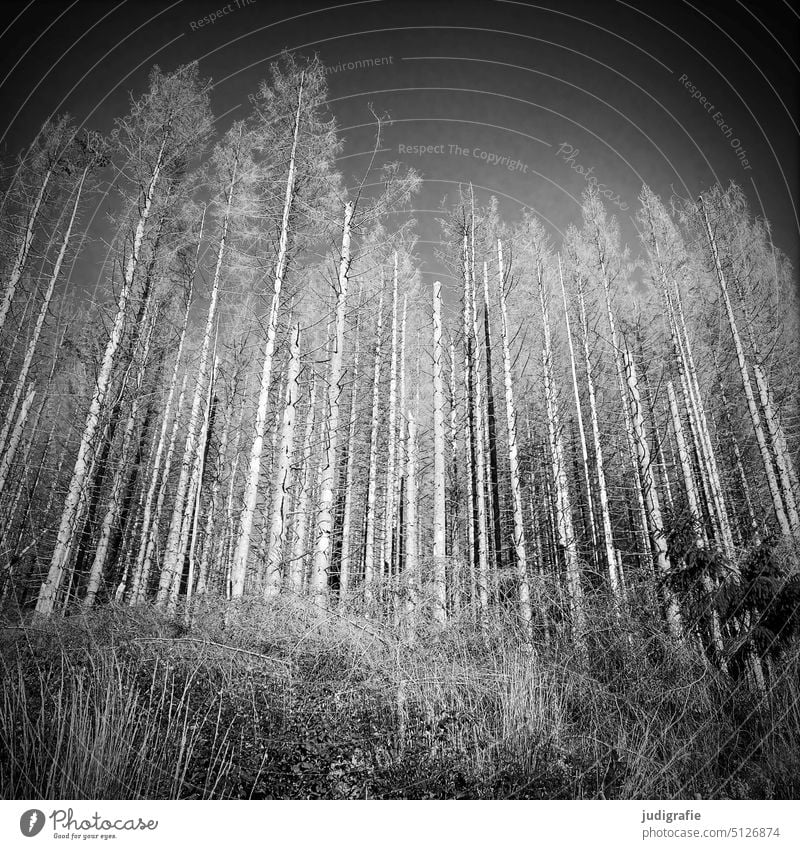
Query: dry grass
x,y
287,701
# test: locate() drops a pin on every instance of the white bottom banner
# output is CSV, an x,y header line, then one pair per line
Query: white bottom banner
x,y
407,824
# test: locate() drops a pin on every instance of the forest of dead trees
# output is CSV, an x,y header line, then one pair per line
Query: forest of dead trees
x,y
224,374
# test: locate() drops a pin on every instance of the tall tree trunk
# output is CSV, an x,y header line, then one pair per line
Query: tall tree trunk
x,y
150,531
411,566
239,565
523,589
173,565
564,523
372,473
115,498
391,463
623,394
475,401
197,491
23,251
297,564
755,417
63,548
345,565
491,433
34,340
282,481
320,567
579,411
654,520
19,427
439,552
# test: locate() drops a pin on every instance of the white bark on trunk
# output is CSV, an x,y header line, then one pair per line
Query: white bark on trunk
x,y
241,555
23,252
297,565
172,563
282,482
523,589
73,502
372,475
148,534
783,460
755,417
345,566
579,411
650,494
612,561
210,539
698,423
16,435
34,340
564,523
197,489
411,571
114,502
141,576
389,501
629,435
439,570
480,459
318,583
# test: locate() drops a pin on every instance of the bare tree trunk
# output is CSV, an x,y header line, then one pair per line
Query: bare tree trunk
x,y
491,434
21,258
172,565
372,474
72,505
579,411
523,589
698,423
631,440
612,561
141,576
475,401
114,501
345,565
210,540
19,427
650,494
296,568
391,463
565,528
239,565
777,500
456,569
320,567
411,571
197,489
282,480
439,553
783,460
34,340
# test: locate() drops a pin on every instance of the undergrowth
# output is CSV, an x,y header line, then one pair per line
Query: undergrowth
x,y
282,700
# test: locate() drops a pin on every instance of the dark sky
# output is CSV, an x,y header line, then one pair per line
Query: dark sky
x,y
517,97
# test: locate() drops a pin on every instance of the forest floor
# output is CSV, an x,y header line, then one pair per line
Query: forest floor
x,y
283,700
